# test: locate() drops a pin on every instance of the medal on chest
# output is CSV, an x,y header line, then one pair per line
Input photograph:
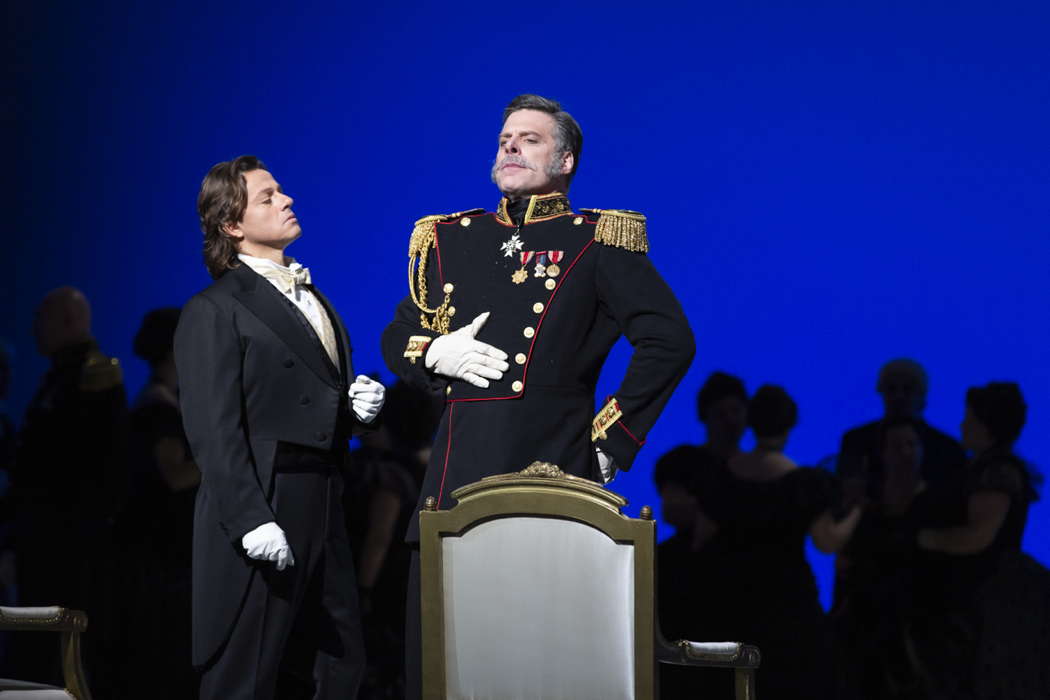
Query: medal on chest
x,y
512,245
520,275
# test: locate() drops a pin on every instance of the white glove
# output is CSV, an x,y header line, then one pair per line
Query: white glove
x,y
606,464
267,543
459,356
366,398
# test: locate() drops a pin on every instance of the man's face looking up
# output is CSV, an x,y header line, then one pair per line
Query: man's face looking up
x,y
528,161
268,220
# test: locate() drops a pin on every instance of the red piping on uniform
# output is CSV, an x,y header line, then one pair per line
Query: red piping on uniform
x,y
535,337
619,422
448,451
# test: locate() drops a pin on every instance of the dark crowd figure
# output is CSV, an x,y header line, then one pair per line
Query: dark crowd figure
x,y
381,495
269,399
68,484
903,385
878,572
761,589
979,627
158,525
721,405
540,294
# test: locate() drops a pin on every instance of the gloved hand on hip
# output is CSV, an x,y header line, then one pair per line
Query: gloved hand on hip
x,y
268,543
459,356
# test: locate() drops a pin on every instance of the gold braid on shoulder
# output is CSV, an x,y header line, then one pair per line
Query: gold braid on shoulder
x,y
621,228
423,236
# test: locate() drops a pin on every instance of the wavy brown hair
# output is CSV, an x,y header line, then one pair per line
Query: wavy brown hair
x,y
222,200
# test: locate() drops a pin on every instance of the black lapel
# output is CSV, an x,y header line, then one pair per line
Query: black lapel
x,y
340,334
263,300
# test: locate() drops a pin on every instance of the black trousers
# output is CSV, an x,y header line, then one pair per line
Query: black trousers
x,y
298,634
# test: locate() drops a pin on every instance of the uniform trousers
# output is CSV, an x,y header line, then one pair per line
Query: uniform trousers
x,y
298,634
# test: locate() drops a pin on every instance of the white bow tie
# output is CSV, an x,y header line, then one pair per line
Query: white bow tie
x,y
287,279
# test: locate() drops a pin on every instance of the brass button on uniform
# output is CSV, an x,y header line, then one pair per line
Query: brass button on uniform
x,y
448,287
537,307
577,221
464,222
448,390
520,358
517,386
452,311
529,331
550,284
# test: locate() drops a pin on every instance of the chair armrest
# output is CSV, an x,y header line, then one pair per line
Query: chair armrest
x,y
719,654
46,619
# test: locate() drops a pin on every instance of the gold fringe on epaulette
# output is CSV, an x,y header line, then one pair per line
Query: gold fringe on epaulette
x,y
423,235
621,228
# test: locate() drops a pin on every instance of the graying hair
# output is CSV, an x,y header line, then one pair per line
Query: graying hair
x,y
568,137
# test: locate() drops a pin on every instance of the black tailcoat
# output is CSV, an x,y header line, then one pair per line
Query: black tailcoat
x,y
251,376
557,330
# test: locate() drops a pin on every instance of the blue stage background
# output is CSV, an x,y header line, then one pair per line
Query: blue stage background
x,y
828,185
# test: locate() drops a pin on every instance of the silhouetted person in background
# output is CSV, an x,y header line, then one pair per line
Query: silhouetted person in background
x,y
721,405
380,499
877,572
157,526
903,385
764,508
955,658
686,573
68,483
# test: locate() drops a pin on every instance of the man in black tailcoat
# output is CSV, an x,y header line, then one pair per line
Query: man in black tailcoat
x,y
540,293
268,401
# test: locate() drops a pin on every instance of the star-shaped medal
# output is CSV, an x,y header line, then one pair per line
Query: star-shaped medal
x,y
512,246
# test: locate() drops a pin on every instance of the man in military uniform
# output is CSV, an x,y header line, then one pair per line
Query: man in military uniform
x,y
68,480
550,290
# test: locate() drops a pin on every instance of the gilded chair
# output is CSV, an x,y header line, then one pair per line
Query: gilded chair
x,y
69,624
535,585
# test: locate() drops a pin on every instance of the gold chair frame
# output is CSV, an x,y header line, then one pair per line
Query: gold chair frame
x,y
70,624
543,490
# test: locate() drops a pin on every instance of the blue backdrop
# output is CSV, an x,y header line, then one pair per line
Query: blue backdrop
x,y
828,185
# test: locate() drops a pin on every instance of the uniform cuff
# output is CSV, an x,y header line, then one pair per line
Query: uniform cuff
x,y
609,432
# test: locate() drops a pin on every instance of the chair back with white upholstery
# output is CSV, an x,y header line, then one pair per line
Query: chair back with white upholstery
x,y
536,586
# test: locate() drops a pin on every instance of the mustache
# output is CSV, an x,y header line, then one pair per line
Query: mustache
x,y
515,160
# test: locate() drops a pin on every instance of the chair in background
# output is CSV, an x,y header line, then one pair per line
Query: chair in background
x,y
69,624
535,585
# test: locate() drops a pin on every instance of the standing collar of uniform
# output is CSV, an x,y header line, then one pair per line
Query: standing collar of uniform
x,y
541,206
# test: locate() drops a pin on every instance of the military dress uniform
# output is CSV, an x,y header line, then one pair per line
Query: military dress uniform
x,y
561,287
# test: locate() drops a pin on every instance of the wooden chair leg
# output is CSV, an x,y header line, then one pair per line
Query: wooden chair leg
x,y
744,682
73,667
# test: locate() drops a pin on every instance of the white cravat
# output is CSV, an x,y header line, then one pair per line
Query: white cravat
x,y
289,281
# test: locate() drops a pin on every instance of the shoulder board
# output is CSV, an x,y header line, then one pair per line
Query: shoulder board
x,y
424,227
621,228
100,373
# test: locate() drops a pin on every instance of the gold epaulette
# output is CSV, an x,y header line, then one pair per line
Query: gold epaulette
x,y
423,230
423,236
100,372
621,228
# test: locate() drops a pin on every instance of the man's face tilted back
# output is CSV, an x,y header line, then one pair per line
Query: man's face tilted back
x,y
528,161
268,222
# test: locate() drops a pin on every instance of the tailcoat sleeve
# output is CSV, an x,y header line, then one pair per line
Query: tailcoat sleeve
x,y
649,315
209,360
404,335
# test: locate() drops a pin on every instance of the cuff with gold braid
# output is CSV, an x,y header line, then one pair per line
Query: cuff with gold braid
x,y
608,431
